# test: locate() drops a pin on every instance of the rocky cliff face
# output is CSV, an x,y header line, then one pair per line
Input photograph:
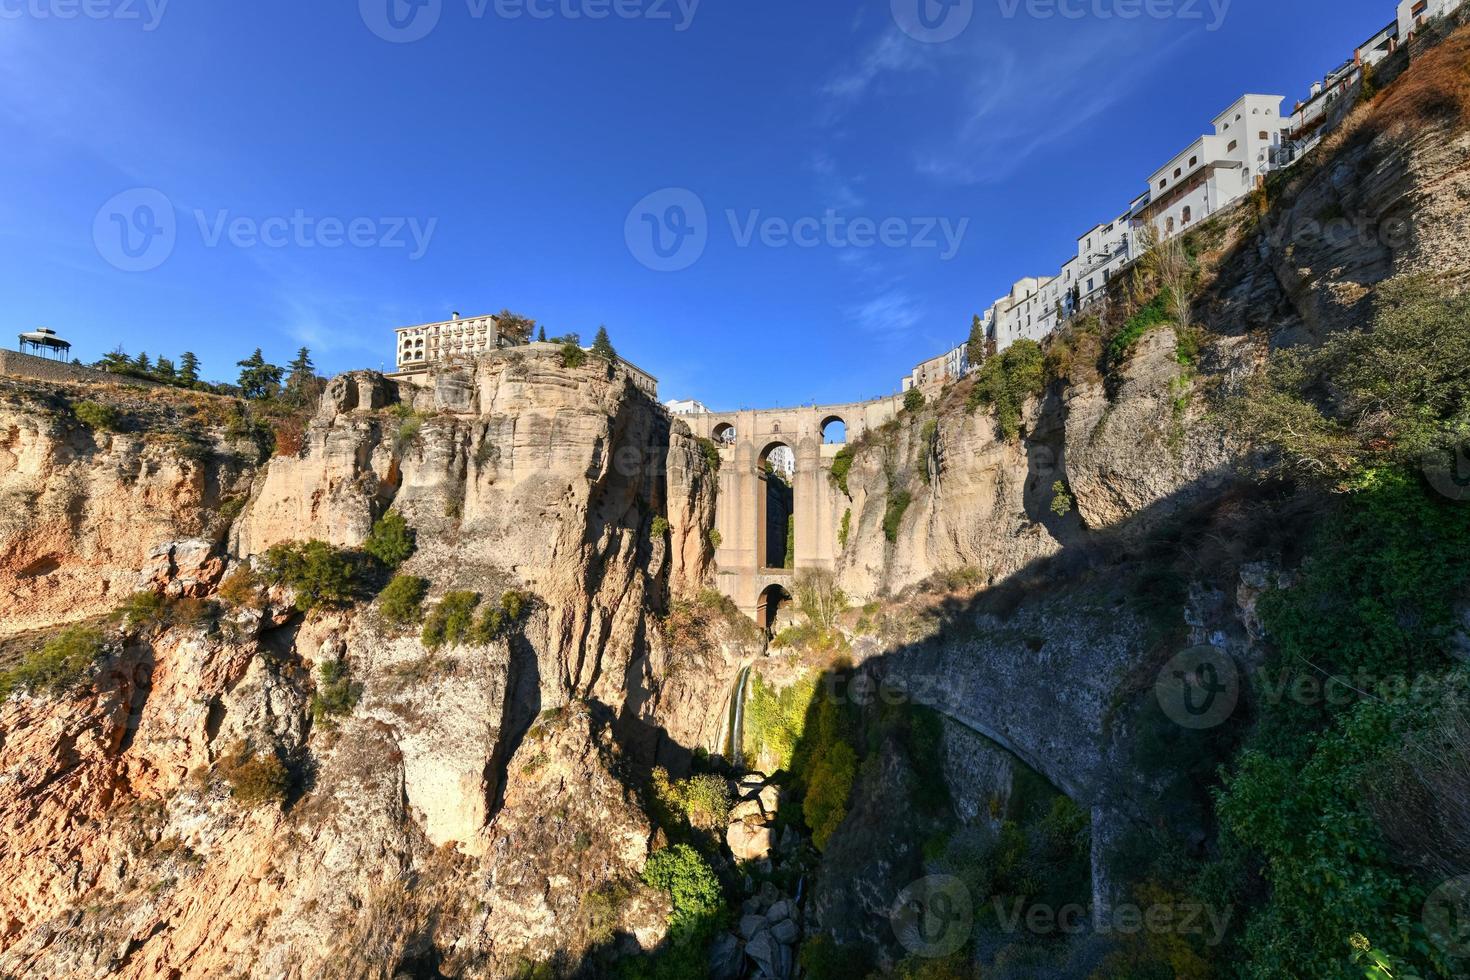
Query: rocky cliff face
x,y
82,509
461,811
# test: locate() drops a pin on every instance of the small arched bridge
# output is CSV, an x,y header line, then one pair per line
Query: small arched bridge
x,y
773,523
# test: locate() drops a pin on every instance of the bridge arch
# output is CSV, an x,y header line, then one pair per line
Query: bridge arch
x,y
768,606
834,430
776,505
723,433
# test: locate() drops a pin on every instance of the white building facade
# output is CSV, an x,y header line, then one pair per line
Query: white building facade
x,y
424,344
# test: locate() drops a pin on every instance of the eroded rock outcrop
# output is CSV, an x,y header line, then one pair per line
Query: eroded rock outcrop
x,y
468,799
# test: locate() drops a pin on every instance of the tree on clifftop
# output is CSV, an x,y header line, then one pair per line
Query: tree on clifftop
x,y
514,327
975,347
602,346
257,378
189,368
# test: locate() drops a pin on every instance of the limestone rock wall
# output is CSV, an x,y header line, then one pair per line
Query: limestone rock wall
x,y
82,510
459,814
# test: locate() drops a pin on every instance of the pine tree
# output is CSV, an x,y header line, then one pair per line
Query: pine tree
x,y
975,347
142,363
115,360
302,367
602,346
164,369
542,335
257,378
189,368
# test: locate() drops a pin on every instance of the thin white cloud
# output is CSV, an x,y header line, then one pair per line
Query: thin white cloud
x,y
1007,101
887,315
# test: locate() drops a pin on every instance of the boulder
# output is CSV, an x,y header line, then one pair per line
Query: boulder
x,y
725,958
779,912
749,843
786,932
181,568
750,925
771,958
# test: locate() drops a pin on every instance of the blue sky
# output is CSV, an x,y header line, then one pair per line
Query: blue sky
x,y
324,184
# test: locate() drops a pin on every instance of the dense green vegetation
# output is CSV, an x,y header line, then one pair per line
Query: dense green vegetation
x,y
336,693
103,418
401,602
63,663
391,540
1006,381
841,467
698,913
320,574
1329,812
898,505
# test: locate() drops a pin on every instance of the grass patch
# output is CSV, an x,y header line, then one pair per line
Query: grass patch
x,y
63,664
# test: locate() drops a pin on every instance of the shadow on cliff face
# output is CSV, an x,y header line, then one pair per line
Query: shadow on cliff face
x,y
1050,676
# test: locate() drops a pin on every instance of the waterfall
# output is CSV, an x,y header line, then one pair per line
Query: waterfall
x,y
734,748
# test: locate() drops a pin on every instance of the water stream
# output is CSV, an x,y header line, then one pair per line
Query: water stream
x,y
735,726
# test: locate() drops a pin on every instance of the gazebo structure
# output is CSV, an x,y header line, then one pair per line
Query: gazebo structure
x,y
43,342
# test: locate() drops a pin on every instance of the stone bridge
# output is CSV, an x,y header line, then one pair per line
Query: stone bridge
x,y
755,505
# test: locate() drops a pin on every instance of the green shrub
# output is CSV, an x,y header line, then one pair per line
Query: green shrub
x,y
841,467
1006,381
391,540
401,603
408,433
691,883
1400,391
702,800
711,454
147,608
572,355
336,694
62,664
913,400
452,620
898,503
496,620
715,538
103,418
320,574
845,530
823,959
1062,502
1152,314
660,527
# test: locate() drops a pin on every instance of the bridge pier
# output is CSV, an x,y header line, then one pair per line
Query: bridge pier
x,y
745,440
